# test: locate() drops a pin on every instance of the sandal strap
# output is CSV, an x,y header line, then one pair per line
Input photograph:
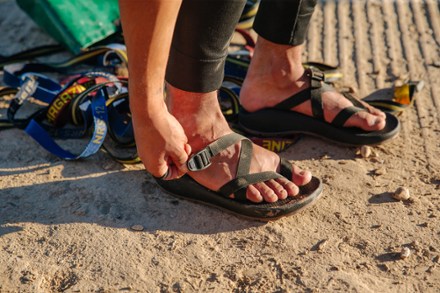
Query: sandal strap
x,y
286,168
245,158
352,99
294,100
202,159
238,186
316,101
345,114
314,94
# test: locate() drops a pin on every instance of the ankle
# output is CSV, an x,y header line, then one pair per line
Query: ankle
x,y
275,72
278,63
199,114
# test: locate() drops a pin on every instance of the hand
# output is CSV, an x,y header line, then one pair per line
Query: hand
x,y
162,145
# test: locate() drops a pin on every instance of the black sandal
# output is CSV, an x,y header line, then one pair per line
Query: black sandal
x,y
281,120
187,188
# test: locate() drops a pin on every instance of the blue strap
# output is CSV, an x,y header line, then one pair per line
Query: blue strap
x,y
46,89
99,112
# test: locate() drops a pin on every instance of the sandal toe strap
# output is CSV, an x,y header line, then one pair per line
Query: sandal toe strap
x,y
345,114
238,186
286,168
352,99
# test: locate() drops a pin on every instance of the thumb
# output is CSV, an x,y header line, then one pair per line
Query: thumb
x,y
188,149
176,166
182,167
180,159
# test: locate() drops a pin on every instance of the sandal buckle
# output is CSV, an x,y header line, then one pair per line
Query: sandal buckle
x,y
317,77
200,160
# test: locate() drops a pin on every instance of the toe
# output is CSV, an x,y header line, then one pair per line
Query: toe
x,y
253,194
266,192
374,111
366,121
288,185
277,188
300,177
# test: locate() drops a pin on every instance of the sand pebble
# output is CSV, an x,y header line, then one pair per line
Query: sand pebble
x,y
322,245
405,253
137,228
366,151
431,269
380,171
375,159
401,193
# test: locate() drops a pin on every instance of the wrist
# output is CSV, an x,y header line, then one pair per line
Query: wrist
x,y
148,107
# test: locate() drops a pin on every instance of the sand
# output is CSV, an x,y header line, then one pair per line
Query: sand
x,y
65,226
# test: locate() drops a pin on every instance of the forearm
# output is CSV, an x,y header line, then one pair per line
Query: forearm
x,y
148,27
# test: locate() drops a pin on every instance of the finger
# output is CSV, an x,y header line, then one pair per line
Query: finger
x,y
173,173
187,149
183,168
180,156
162,172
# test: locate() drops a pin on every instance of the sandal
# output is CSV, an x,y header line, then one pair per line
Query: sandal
x,y
187,188
281,121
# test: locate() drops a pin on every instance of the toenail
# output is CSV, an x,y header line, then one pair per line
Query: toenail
x,y
373,122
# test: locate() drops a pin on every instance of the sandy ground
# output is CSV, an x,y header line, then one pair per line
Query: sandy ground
x,y
65,226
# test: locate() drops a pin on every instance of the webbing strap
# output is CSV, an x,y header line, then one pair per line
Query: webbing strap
x,y
294,100
345,114
243,179
38,133
202,159
46,88
352,99
286,168
316,101
238,185
30,54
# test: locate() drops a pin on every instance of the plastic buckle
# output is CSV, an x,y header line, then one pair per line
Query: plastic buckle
x,y
200,160
27,89
317,76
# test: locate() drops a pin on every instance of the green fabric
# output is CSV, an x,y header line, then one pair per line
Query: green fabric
x,y
76,24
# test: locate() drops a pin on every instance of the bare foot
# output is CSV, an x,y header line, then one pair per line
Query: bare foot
x,y
276,73
203,122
